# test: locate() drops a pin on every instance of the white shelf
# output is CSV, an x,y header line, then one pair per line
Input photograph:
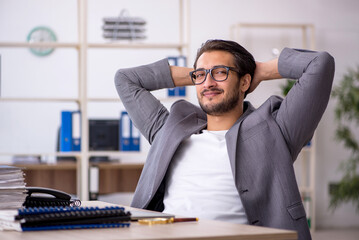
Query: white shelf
x,y
90,153
94,99
67,165
99,99
58,154
137,45
116,45
32,99
39,44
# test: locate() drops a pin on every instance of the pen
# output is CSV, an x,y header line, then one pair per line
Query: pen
x,y
183,219
152,221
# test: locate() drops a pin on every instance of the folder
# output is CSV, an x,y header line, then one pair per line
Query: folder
x,y
181,91
180,61
76,131
172,61
135,138
125,132
66,131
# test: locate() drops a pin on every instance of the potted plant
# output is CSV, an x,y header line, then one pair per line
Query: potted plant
x,y
347,118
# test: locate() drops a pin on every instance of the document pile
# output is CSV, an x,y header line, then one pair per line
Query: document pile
x,y
12,187
124,27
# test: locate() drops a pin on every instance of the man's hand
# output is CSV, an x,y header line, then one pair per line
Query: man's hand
x,y
264,71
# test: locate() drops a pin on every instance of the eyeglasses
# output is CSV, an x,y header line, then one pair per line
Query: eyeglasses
x,y
218,73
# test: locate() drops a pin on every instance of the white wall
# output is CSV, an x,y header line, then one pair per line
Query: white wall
x,y
337,31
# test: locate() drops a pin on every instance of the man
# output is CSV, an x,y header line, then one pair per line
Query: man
x,y
227,160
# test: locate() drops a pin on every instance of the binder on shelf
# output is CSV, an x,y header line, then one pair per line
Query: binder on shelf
x,y
125,132
135,138
180,61
66,131
171,92
129,135
76,131
70,131
181,91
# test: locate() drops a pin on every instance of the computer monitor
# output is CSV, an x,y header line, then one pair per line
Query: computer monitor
x,y
104,134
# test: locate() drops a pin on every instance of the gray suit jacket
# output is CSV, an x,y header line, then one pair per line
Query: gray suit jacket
x,y
262,144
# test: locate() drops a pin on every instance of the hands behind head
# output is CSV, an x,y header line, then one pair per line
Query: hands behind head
x,y
256,78
264,71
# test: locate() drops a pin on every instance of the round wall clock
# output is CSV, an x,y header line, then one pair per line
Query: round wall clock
x,y
41,34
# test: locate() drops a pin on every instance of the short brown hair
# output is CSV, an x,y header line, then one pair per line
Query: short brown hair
x,y
243,60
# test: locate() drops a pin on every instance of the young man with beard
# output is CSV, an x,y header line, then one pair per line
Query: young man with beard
x,y
227,160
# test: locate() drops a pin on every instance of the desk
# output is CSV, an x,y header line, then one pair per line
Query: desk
x,y
203,229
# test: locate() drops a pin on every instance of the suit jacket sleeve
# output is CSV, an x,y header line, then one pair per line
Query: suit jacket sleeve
x,y
134,85
303,107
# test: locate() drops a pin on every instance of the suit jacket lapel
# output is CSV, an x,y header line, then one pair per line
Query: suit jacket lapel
x,y
232,138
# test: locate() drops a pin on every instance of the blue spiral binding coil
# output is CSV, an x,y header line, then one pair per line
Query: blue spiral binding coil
x,y
79,226
43,210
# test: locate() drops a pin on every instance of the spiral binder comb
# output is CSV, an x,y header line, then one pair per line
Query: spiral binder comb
x,y
50,218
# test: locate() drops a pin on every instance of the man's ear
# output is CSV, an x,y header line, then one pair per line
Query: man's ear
x,y
245,82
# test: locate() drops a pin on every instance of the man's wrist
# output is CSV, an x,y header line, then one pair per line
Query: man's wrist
x,y
180,76
269,70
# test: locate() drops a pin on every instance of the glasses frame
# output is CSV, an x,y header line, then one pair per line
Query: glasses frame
x,y
210,72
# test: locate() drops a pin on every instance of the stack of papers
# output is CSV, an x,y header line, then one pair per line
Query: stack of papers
x,y
12,187
122,27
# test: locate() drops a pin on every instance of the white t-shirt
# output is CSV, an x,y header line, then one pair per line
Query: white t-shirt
x,y
200,180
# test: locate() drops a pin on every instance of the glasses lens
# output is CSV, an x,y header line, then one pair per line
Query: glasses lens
x,y
199,76
220,73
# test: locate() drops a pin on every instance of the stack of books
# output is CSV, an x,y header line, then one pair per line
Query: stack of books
x,y
12,187
123,27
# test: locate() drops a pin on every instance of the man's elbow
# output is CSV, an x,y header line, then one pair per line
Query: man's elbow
x,y
120,76
328,62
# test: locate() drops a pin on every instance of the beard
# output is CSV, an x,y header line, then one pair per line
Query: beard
x,y
228,104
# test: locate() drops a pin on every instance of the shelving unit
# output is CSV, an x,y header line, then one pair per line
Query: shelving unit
x,y
307,158
113,177
82,46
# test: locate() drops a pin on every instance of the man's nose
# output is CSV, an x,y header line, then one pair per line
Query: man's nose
x,y
209,82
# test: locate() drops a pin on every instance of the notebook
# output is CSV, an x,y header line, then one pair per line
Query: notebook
x,y
52,218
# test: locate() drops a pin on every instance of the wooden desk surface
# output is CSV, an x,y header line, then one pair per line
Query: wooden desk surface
x,y
203,229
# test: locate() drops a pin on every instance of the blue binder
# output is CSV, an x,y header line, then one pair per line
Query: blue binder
x,y
180,61
171,92
135,138
76,131
181,91
66,131
125,132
